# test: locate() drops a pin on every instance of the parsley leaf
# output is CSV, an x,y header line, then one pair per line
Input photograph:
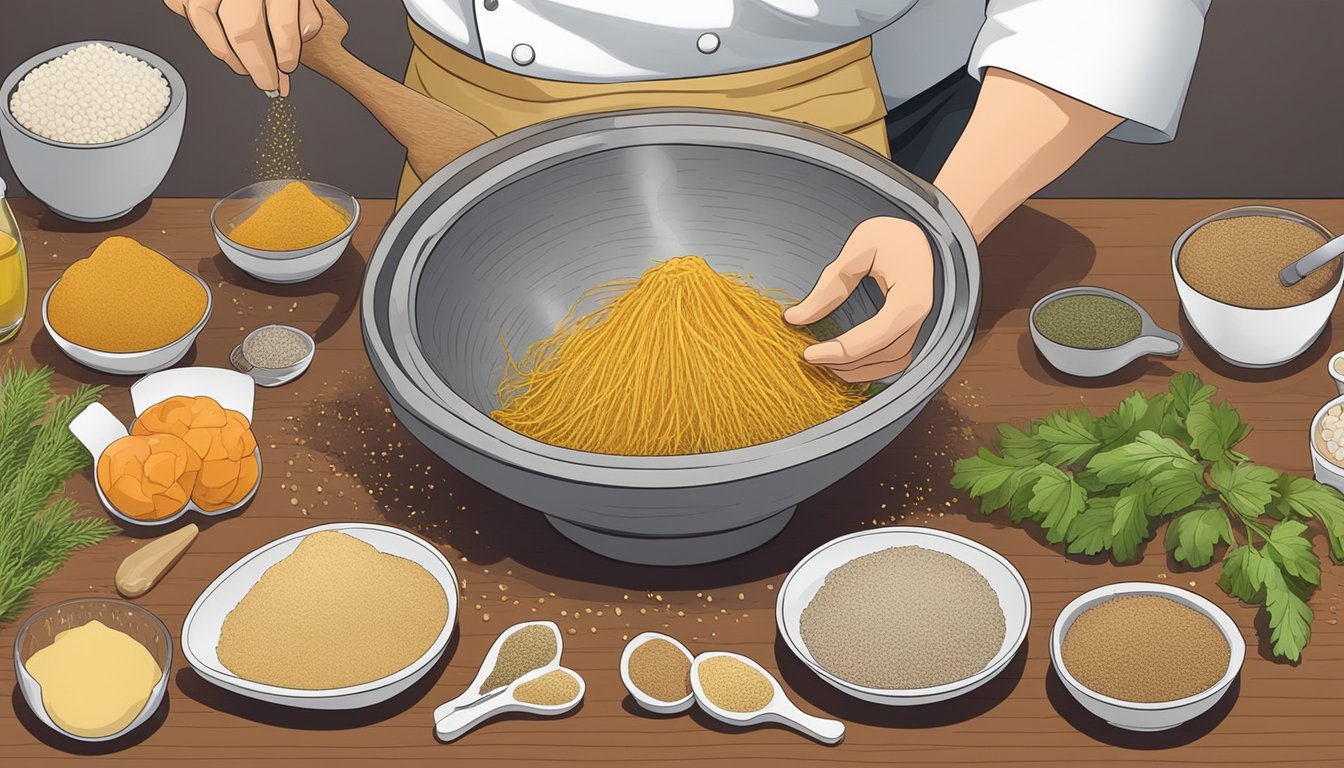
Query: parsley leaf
x,y
1246,488
1148,454
1291,550
1129,525
1306,498
1187,391
1215,430
1090,532
1070,437
1134,414
1018,444
1193,536
1245,570
1289,616
990,478
1058,499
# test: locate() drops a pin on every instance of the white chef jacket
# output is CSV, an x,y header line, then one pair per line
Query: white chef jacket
x,y
1132,58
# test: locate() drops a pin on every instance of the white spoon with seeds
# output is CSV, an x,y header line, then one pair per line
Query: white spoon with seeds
x,y
778,709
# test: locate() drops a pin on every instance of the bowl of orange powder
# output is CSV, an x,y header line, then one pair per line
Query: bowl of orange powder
x,y
285,231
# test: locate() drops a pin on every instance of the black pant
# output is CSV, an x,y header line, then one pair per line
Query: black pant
x,y
923,130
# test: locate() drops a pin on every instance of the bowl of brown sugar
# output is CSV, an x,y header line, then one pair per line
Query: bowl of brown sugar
x,y
1145,657
1226,269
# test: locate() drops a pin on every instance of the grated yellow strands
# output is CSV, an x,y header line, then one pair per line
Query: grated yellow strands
x,y
683,360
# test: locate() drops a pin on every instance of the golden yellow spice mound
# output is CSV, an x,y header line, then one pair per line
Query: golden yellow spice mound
x,y
684,360
289,220
125,298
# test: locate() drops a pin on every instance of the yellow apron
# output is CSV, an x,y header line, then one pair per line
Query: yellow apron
x,y
836,90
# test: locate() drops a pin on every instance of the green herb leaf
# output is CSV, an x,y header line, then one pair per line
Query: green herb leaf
x,y
1173,490
1056,500
1070,437
1090,532
1147,455
1289,616
990,478
1193,536
1289,545
1245,570
1246,488
1129,526
1018,444
1215,429
1187,391
1134,414
1305,498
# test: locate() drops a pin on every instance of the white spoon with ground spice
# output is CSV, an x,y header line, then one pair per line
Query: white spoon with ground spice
x,y
656,670
519,650
736,690
548,691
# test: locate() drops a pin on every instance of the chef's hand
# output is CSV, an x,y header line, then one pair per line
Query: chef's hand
x,y
260,38
896,254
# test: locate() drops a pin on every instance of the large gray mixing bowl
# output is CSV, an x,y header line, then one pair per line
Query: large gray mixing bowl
x,y
94,182
502,241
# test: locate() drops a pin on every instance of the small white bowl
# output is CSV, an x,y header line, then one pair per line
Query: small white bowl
x,y
96,428
643,699
273,377
129,363
810,574
41,630
280,266
1326,471
1146,716
1254,338
1336,359
205,620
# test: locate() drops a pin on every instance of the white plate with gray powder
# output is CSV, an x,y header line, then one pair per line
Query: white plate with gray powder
x,y
850,599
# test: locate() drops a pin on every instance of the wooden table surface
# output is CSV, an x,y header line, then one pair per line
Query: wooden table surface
x,y
332,451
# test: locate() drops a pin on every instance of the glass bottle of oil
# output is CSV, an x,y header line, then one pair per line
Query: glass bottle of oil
x,y
13,272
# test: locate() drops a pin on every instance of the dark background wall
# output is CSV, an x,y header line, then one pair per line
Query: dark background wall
x,y
1265,116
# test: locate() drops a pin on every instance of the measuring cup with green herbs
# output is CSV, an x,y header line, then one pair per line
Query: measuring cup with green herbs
x,y
1090,331
518,651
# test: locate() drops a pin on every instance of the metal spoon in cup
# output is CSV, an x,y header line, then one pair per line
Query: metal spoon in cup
x,y
1295,272
779,709
458,722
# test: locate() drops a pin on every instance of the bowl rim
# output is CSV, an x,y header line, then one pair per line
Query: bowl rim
x,y
1240,211
470,176
61,341
177,89
1311,432
1226,626
416,667
994,666
259,253
156,693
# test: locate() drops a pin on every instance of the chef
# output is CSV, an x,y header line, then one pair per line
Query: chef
x,y
989,101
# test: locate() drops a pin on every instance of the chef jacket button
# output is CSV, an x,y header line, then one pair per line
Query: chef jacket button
x,y
708,43
523,54
491,5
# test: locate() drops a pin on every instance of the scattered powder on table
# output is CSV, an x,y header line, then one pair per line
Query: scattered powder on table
x,y
552,689
335,612
661,670
735,686
125,298
903,618
274,347
1088,321
1145,648
531,647
1237,261
291,219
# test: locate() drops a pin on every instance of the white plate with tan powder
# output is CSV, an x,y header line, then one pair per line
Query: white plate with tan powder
x,y
204,624
808,577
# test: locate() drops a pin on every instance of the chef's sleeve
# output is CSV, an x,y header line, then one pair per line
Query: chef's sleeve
x,y
1131,58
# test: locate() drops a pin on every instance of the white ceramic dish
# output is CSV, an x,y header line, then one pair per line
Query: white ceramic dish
x,y
1254,338
273,377
280,266
201,629
41,629
472,694
1326,471
94,182
809,575
129,363
1336,359
96,428
780,709
456,724
1157,716
643,699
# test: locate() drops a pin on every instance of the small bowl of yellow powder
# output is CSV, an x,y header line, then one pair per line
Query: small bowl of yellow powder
x,y
285,231
126,309
93,669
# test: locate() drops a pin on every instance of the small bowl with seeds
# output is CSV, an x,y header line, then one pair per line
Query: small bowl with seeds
x,y
656,670
274,354
285,230
1090,331
1327,444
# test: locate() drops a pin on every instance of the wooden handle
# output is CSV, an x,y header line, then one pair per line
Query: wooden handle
x,y
143,568
434,134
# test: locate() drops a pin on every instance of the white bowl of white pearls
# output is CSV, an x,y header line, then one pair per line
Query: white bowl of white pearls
x,y
1327,444
91,128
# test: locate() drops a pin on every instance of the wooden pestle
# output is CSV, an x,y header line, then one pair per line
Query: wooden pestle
x,y
434,134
